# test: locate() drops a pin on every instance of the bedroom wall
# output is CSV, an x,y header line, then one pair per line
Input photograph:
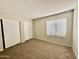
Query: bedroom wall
x,y
75,31
40,29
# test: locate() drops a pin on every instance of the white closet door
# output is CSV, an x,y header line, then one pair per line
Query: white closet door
x,y
1,42
27,30
51,30
11,32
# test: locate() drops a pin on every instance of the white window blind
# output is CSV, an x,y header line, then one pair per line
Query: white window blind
x,y
56,27
51,30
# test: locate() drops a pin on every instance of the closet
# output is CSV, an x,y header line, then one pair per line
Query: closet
x,y
13,32
10,32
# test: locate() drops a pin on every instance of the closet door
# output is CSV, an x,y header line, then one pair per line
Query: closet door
x,y
1,41
11,32
27,30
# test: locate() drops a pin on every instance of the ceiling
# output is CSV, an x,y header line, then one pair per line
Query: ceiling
x,y
36,8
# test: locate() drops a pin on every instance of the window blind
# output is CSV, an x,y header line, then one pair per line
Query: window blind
x,y
56,27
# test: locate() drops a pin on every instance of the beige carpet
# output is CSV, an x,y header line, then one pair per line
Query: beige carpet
x,y
37,49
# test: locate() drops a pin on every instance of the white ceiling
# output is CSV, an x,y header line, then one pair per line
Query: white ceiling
x,y
35,8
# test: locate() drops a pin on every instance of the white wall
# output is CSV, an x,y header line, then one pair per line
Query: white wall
x,y
75,31
40,29
1,43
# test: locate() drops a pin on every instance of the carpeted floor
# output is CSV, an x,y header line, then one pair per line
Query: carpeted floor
x,y
37,49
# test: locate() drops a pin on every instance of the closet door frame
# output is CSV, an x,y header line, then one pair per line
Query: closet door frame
x,y
2,30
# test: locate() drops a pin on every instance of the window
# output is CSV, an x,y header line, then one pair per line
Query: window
x,y
56,27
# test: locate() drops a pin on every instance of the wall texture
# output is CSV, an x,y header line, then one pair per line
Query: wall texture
x,y
75,31
40,29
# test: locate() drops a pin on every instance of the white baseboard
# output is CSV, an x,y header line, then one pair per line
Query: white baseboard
x,y
75,54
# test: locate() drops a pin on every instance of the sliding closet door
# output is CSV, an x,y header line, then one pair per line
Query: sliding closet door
x,y
1,41
27,30
11,32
